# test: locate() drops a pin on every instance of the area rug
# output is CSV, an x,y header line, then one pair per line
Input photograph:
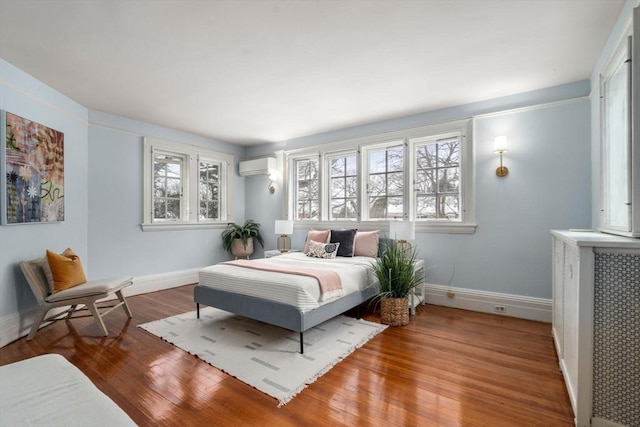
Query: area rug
x,y
264,356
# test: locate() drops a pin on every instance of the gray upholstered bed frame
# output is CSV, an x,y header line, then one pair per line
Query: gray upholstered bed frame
x,y
276,313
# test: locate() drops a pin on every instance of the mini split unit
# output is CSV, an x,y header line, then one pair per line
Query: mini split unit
x,y
263,166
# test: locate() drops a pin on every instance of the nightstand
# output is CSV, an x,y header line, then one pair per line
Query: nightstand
x,y
275,252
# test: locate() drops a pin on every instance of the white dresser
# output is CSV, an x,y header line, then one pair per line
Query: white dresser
x,y
596,325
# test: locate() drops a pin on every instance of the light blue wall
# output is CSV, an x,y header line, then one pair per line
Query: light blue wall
x,y
553,161
549,186
25,96
117,244
103,196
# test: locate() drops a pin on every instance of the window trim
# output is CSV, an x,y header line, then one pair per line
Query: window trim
x,y
365,174
466,225
292,187
325,185
192,154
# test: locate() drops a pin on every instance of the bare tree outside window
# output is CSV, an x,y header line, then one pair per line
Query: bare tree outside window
x,y
307,186
167,186
344,187
209,190
438,179
184,185
386,183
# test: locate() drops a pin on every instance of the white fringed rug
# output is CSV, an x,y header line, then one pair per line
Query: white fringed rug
x,y
264,356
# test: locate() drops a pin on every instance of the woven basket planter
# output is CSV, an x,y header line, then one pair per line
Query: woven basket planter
x,y
394,311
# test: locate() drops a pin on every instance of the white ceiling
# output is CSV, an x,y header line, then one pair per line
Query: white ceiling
x,y
257,71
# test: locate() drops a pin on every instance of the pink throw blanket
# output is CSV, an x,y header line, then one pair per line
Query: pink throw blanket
x,y
329,281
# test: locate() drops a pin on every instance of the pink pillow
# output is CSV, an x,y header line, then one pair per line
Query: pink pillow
x,y
366,243
316,236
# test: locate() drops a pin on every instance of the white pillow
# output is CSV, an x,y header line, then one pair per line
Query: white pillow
x,y
322,250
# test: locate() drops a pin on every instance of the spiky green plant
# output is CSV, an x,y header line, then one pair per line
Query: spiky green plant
x,y
245,232
394,270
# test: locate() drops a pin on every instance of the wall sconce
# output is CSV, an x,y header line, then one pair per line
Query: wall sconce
x,y
284,228
401,232
273,177
500,146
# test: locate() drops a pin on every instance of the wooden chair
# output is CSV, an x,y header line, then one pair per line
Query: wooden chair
x,y
86,294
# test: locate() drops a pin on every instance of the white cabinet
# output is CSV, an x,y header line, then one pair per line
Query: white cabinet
x,y
596,325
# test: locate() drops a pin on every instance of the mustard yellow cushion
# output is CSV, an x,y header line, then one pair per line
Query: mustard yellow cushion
x,y
66,270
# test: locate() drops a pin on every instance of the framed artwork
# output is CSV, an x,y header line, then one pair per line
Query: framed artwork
x,y
32,162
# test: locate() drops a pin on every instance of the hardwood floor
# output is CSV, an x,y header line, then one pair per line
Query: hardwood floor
x,y
448,367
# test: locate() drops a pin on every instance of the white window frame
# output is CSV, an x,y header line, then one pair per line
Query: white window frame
x,y
190,206
619,60
364,187
326,184
465,225
293,185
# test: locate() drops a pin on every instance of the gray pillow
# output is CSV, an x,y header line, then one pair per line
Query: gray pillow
x,y
346,239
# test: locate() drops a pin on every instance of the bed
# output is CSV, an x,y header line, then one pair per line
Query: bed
x,y
48,390
282,299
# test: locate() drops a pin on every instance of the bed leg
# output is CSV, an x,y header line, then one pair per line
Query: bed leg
x,y
301,344
198,310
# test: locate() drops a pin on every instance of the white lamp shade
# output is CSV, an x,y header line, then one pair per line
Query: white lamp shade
x,y
402,230
500,144
284,226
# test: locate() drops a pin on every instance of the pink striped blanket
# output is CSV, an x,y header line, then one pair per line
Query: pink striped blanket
x,y
329,281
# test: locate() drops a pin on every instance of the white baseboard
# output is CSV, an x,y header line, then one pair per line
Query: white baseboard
x,y
17,325
158,282
530,308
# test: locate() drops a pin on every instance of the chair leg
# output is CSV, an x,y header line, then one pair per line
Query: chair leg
x,y
71,310
125,306
36,323
96,315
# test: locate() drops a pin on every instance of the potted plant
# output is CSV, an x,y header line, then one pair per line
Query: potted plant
x,y
238,239
395,272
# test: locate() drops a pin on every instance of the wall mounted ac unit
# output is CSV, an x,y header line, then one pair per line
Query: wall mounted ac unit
x,y
263,166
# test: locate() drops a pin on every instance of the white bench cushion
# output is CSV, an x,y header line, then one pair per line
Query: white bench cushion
x,y
92,287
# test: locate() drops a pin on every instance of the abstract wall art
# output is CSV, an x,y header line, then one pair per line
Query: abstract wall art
x,y
33,172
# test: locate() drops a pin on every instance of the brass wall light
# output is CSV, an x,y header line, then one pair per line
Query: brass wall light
x,y
273,177
500,146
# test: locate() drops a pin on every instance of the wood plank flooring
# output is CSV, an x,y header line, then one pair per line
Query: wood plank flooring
x,y
448,367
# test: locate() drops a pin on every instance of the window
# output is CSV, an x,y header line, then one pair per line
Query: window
x,y
385,181
343,186
167,186
437,178
423,175
209,191
615,90
184,186
307,188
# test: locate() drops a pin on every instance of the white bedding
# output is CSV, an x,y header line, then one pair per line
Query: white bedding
x,y
47,390
356,273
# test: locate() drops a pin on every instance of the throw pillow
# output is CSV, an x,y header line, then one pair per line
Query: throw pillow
x,y
316,236
66,270
346,239
323,250
366,243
